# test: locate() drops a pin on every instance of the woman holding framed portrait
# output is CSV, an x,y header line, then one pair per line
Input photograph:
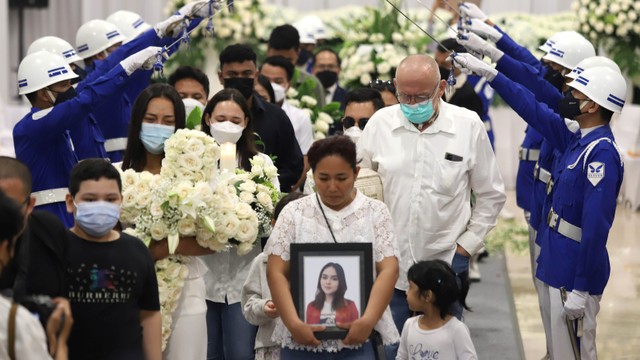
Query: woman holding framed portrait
x,y
338,213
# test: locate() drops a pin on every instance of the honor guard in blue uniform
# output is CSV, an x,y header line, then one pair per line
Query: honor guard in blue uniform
x,y
573,261
86,135
41,139
102,46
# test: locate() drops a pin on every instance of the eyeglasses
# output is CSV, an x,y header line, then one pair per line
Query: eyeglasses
x,y
348,122
382,85
406,99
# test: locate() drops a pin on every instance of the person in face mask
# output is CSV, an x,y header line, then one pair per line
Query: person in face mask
x,y
277,137
431,155
157,113
227,118
111,274
326,67
280,71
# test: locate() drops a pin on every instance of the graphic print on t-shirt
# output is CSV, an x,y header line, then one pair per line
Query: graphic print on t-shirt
x,y
416,353
94,285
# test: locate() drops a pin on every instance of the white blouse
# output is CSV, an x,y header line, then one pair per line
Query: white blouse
x,y
364,220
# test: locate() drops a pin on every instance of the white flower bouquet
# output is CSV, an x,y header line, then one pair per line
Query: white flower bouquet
x,y
321,118
171,274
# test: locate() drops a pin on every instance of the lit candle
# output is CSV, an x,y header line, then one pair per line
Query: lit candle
x,y
228,156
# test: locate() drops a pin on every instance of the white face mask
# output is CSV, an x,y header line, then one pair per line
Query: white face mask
x,y
354,133
226,131
278,92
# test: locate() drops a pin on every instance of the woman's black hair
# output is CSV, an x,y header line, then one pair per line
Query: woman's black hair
x,y
266,84
11,219
135,155
338,297
382,85
245,146
437,276
338,145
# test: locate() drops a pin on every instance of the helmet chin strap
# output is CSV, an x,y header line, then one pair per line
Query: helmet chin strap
x,y
50,96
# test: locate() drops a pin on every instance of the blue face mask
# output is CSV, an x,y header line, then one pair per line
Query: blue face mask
x,y
153,136
97,218
418,113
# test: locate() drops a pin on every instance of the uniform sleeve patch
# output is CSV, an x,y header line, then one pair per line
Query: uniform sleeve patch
x,y
595,172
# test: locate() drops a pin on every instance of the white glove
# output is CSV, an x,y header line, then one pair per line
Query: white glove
x,y
467,63
198,9
472,11
144,59
483,29
474,43
575,304
172,26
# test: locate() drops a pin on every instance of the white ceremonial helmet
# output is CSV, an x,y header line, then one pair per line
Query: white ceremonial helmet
x,y
96,36
41,69
605,86
590,62
548,45
55,45
129,23
306,32
568,52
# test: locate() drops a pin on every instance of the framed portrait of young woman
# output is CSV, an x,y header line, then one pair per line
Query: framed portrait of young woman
x,y
330,284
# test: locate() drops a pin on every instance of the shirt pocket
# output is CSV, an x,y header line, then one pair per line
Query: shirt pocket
x,y
448,177
568,188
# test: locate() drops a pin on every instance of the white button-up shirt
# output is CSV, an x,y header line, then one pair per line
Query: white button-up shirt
x,y
427,179
301,126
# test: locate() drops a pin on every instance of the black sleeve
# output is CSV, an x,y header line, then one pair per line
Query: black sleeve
x,y
289,159
149,297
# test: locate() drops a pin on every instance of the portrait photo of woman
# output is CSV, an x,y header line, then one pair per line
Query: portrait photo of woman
x,y
330,306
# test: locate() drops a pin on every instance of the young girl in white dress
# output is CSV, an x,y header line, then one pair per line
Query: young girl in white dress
x,y
436,334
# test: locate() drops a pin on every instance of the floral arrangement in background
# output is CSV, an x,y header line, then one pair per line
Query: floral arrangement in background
x,y
321,118
613,25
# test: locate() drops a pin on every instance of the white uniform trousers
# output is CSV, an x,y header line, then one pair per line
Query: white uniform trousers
x,y
561,348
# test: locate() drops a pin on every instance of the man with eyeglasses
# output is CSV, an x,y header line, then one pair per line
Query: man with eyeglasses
x,y
430,156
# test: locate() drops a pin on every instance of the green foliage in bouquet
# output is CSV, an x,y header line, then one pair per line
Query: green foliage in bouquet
x,y
321,117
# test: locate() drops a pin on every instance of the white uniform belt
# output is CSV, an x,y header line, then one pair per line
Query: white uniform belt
x,y
50,196
549,186
563,227
487,125
117,144
541,174
529,154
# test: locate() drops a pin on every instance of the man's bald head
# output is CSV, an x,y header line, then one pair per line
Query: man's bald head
x,y
419,75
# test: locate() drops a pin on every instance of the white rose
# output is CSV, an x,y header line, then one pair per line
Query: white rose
x,y
608,29
264,199
319,135
632,15
308,112
599,26
187,226
383,68
246,197
622,31
128,198
614,8
247,231
183,189
244,249
155,209
191,162
271,172
325,117
250,186
585,28
294,103
397,37
143,200
158,231
256,170
321,126
310,101
230,225
203,192
129,178
636,28
195,147
223,32
365,79
291,93
243,211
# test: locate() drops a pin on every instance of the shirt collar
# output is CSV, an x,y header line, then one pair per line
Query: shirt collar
x,y
442,122
593,133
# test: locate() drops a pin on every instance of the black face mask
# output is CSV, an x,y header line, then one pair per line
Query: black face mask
x,y
244,85
303,57
554,78
81,75
569,107
327,78
64,96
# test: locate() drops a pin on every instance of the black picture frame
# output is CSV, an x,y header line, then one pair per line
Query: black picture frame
x,y
305,274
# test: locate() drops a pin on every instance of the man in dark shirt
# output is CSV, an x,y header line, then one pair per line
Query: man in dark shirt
x,y
275,134
112,283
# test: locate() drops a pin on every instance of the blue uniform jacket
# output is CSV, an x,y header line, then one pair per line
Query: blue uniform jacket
x,y
42,142
485,92
518,52
586,188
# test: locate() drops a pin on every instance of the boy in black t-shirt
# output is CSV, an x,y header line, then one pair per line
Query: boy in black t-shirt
x,y
111,280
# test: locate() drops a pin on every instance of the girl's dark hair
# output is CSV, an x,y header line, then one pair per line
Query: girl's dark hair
x,y
266,84
11,219
135,155
437,276
338,145
245,146
338,297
